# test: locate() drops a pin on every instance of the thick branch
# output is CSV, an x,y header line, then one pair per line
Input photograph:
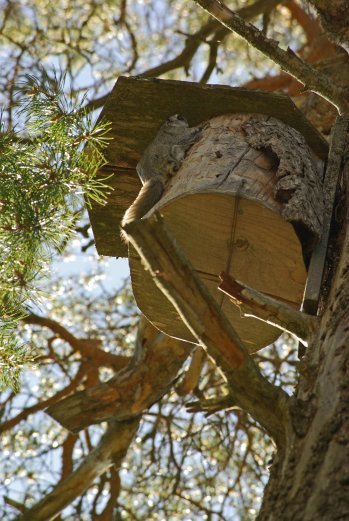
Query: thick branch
x,y
311,78
110,451
193,373
176,278
334,18
253,303
148,377
309,24
183,288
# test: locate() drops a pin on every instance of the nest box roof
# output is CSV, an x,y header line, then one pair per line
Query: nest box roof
x,y
137,107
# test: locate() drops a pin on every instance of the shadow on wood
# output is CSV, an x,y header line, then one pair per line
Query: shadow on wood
x,y
137,107
247,199
228,209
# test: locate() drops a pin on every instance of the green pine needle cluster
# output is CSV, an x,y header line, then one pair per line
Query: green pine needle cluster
x,y
42,178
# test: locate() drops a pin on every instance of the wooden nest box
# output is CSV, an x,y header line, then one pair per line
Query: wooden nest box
x,y
247,199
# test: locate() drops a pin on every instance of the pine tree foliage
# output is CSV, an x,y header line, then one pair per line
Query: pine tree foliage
x,y
42,179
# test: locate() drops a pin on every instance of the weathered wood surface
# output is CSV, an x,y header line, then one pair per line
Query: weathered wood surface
x,y
228,207
333,171
137,107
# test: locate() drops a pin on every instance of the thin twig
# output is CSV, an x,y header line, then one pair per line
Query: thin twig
x,y
193,42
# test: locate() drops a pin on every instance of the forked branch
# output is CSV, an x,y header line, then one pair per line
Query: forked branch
x,y
150,374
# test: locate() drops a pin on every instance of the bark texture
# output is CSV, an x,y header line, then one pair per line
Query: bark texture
x,y
150,374
310,479
334,16
298,185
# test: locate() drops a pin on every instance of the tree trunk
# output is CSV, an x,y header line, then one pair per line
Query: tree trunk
x,y
310,478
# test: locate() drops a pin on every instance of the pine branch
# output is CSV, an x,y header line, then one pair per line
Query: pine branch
x,y
41,183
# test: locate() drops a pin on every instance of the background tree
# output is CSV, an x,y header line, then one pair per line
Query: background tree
x,y
194,462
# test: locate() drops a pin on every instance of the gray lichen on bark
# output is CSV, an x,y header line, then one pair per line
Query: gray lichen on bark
x,y
299,173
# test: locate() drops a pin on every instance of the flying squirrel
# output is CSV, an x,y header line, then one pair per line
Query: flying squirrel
x,y
160,161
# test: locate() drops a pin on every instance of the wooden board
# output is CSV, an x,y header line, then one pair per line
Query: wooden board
x,y
254,254
137,107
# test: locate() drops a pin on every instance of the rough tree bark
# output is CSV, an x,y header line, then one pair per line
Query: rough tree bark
x,y
310,478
